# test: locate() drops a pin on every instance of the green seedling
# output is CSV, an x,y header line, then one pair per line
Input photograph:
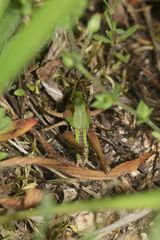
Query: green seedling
x,y
107,100
19,92
143,112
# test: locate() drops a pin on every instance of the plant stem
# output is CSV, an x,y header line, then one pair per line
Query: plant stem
x,y
89,76
152,125
126,107
138,200
85,45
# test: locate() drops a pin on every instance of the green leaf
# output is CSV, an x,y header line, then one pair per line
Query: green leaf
x,y
3,155
102,39
116,92
106,100
128,33
37,87
110,35
122,57
5,124
103,101
110,21
143,112
156,134
116,65
71,59
9,23
31,86
19,92
94,23
120,31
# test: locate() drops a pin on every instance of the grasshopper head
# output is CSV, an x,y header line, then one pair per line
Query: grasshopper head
x,y
77,114
78,98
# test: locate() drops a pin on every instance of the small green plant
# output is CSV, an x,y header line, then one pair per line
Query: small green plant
x,y
19,92
114,36
143,112
156,134
107,100
94,23
31,86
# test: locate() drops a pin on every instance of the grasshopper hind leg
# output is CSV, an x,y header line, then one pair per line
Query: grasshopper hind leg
x,y
81,138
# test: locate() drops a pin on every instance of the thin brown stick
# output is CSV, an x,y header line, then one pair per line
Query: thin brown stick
x,y
96,112
54,113
62,123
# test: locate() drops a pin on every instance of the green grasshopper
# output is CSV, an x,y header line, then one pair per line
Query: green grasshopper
x,y
78,117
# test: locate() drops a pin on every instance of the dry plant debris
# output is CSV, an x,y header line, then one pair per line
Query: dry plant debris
x,y
130,151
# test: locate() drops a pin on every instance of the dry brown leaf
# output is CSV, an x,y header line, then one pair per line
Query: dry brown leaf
x,y
79,172
47,71
12,203
95,143
17,128
68,136
129,166
32,198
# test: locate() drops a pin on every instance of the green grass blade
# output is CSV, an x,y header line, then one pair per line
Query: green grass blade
x,y
8,25
3,6
137,200
31,38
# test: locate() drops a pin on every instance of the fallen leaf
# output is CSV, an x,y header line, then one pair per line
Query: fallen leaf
x,y
32,198
47,71
53,90
11,203
17,128
46,75
95,143
68,136
129,166
79,172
